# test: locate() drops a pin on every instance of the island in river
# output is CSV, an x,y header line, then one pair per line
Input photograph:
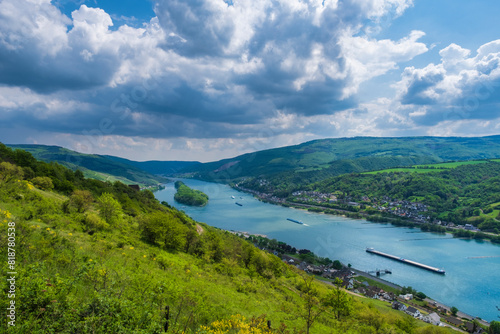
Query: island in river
x,y
188,196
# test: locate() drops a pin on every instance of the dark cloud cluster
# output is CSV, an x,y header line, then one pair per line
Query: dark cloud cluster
x,y
199,69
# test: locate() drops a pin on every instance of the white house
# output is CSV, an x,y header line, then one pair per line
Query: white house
x,y
413,312
399,306
432,318
408,296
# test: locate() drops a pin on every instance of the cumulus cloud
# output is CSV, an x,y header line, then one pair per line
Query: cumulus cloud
x,y
460,87
203,68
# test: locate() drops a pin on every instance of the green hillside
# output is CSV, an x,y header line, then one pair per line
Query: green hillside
x,y
96,257
92,165
157,167
320,159
430,168
456,192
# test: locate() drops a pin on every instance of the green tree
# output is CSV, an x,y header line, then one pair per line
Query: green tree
x,y
81,200
43,182
420,295
9,172
163,229
339,300
454,311
494,327
109,208
313,307
337,265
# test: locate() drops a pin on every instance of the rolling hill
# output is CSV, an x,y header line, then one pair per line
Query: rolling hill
x,y
93,166
319,159
156,167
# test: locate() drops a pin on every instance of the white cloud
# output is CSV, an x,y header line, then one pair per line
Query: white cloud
x,y
215,70
461,86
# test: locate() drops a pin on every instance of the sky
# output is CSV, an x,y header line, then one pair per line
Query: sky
x,y
211,79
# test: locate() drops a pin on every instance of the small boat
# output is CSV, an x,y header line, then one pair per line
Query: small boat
x,y
232,197
295,221
238,204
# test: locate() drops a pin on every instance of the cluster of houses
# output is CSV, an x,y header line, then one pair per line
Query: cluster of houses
x,y
412,210
261,195
350,282
402,208
314,196
432,318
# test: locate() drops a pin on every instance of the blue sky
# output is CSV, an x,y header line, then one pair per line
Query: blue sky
x,y
210,79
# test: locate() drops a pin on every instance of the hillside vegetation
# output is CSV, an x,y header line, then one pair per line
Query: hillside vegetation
x,y
468,193
93,166
100,257
188,196
316,160
157,167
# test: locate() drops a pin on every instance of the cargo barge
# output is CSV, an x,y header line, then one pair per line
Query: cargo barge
x,y
400,259
295,221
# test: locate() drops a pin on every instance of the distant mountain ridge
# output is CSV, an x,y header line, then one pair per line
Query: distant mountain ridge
x,y
319,159
304,163
92,165
155,166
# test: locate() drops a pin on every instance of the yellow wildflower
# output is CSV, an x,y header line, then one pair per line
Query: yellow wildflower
x,y
131,247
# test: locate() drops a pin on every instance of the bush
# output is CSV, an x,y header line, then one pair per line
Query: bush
x,y
93,222
162,229
43,182
109,208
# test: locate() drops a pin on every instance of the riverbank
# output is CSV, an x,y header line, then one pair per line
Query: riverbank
x,y
364,284
470,282
378,217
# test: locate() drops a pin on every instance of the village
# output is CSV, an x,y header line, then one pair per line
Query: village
x,y
424,309
415,212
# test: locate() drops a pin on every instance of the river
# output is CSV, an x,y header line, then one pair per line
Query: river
x,y
472,267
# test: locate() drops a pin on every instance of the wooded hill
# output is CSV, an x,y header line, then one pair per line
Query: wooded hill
x,y
101,257
317,160
92,165
469,193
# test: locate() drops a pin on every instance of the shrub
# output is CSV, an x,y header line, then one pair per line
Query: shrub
x,y
109,208
43,182
94,223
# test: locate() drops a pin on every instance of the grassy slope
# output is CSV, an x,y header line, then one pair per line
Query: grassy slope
x,y
430,168
93,166
77,279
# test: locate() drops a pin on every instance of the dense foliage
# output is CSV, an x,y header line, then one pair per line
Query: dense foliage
x,y
95,166
188,196
466,194
319,159
97,257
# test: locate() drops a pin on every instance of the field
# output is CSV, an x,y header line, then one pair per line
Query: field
x,y
431,168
